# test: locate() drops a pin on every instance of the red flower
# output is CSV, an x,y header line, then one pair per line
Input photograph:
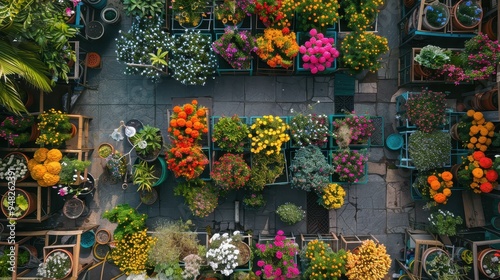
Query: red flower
x,y
485,162
285,31
486,187
491,175
478,155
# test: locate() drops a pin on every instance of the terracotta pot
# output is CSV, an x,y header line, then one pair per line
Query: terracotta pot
x,y
100,251
482,259
65,252
102,236
74,130
100,154
490,28
456,22
433,26
35,133
74,208
454,171
421,71
454,132
486,101
429,255
93,60
30,197
23,157
409,3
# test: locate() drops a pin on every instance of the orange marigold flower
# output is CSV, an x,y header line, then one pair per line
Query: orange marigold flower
x,y
194,102
194,119
188,130
447,176
201,112
439,198
477,172
447,192
205,130
477,155
478,116
181,122
177,109
473,140
486,187
197,125
188,108
189,124
176,132
483,131
195,134
182,115
470,113
435,185
483,148
432,178
173,123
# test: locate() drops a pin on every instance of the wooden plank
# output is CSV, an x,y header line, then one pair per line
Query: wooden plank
x,y
473,209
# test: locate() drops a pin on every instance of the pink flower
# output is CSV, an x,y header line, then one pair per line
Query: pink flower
x,y
260,263
63,191
279,255
69,12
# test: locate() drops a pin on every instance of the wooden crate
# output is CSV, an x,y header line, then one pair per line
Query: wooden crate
x,y
81,140
350,242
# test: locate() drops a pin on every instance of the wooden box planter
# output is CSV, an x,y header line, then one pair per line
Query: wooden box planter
x,y
302,37
350,242
81,140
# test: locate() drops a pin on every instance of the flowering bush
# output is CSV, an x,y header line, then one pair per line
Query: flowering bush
x,y
429,150
54,127
310,169
332,196
322,262
145,36
189,12
265,170
426,110
254,200
477,62
371,261
236,47
268,11
290,213
268,134
131,252
349,165
354,129
477,132
128,219
191,57
444,222
230,172
230,12
200,196
223,253
311,129
186,160
13,129
277,47
188,122
230,134
56,266
477,172
318,53
361,14
440,186
361,50
317,14
44,167
277,258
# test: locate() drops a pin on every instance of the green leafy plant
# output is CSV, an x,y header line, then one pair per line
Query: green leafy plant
x,y
116,165
310,169
230,134
361,50
426,110
70,169
144,8
105,150
159,58
201,197
429,150
14,129
444,222
319,257
254,200
144,176
55,128
310,129
265,170
128,219
20,206
442,266
433,57
153,138
290,213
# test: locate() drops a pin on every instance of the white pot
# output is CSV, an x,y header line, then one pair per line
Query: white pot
x,y
110,15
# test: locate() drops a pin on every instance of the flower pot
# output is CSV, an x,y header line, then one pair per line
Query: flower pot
x,y
245,253
490,28
153,155
105,150
87,239
454,132
102,236
22,157
436,16
100,251
466,14
64,252
35,133
110,15
149,198
74,130
429,255
31,199
75,208
486,101
93,60
486,264
94,30
32,251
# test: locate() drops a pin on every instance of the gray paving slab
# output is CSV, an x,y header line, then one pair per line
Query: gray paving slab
x,y
371,221
230,89
292,89
260,89
397,220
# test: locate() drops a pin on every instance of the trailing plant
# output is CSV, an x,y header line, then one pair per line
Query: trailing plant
x,y
429,150
310,169
290,213
236,47
201,197
230,134
14,129
128,219
254,200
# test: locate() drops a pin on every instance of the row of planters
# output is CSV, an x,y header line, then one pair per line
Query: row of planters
x,y
278,48
190,254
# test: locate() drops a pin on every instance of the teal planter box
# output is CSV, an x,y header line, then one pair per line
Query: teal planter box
x,y
335,178
295,145
224,68
302,37
333,142
285,120
284,178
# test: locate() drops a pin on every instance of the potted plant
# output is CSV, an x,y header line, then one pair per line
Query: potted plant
x,y
432,57
369,261
45,166
477,172
154,143
14,129
243,275
332,196
440,185
444,222
128,219
188,13
426,110
230,134
475,132
55,128
265,170
230,172
23,257
254,201
15,165
116,164
268,11
318,256
225,253
277,48
131,251
18,205
439,265
188,122
290,213
177,243
317,15
144,8
436,16
185,160
352,129
201,197
276,258
349,165
58,264
429,150
111,15
144,176
268,135
105,150
489,263
231,12
310,169
317,53
134,47
190,65
72,170
310,129
466,14
236,47
361,50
